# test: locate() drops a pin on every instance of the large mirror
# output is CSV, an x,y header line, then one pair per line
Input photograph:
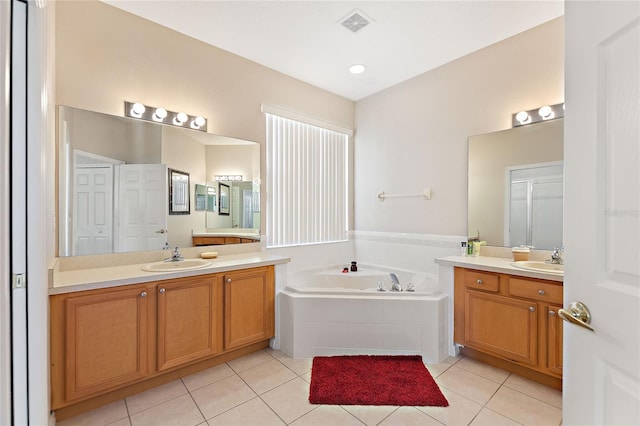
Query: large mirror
x,y
120,178
515,186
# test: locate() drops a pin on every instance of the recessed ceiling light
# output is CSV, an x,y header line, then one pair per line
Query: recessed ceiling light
x,y
357,69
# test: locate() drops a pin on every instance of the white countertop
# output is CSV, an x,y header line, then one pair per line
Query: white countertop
x,y
495,264
113,276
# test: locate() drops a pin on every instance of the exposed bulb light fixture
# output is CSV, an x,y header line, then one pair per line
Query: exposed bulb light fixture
x,y
161,115
544,113
137,110
357,69
180,119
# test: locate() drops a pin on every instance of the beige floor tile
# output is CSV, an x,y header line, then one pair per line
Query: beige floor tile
x,y
249,361
488,372
121,422
155,396
181,411
326,415
275,353
267,376
208,376
469,385
453,359
306,377
409,416
370,414
100,416
460,411
487,417
523,408
252,412
436,369
290,400
298,366
222,395
536,390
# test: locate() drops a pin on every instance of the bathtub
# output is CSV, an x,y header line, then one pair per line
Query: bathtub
x,y
327,312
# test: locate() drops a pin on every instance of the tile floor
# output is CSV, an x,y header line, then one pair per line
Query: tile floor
x,y
270,388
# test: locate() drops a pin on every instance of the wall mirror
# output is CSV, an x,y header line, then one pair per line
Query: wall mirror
x,y
515,186
114,183
178,192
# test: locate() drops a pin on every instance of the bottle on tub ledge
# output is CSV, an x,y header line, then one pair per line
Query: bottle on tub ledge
x,y
354,266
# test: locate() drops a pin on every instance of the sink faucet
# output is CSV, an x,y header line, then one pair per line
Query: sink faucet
x,y
395,282
175,256
556,258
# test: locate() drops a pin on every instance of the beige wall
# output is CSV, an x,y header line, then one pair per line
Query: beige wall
x,y
414,135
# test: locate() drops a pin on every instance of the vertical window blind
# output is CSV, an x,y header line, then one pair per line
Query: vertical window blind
x,y
307,177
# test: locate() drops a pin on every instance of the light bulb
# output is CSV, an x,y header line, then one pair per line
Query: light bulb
x,y
357,69
160,114
522,117
546,112
180,119
198,122
137,110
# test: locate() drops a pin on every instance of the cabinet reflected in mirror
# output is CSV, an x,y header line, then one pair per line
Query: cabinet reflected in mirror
x,y
515,186
113,184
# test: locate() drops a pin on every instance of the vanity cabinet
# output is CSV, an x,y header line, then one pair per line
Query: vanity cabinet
x,y
105,340
214,241
510,321
248,302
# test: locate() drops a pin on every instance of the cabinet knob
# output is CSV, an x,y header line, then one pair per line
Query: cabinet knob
x,y
552,313
532,308
541,292
162,290
143,294
479,281
228,280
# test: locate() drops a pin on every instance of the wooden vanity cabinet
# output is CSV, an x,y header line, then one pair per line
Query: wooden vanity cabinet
x,y
248,307
510,321
109,339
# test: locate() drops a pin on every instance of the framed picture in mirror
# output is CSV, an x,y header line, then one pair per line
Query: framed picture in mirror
x,y
178,192
223,203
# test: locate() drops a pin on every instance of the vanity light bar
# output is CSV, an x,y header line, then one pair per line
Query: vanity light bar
x,y
544,113
224,178
161,115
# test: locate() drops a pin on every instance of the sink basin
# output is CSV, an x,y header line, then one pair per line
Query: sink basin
x,y
181,265
530,265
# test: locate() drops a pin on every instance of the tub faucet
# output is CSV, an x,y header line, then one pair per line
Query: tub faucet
x,y
395,282
175,256
556,258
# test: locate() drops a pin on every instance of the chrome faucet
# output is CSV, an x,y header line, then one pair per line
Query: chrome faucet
x,y
395,282
556,258
175,256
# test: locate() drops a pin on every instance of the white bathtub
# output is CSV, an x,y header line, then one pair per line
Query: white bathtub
x,y
327,312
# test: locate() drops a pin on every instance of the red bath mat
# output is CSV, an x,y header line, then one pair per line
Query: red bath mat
x,y
373,380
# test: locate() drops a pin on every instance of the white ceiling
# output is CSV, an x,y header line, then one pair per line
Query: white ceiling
x,y
305,39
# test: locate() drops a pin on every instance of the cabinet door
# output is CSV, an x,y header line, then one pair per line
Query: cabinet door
x,y
554,340
189,315
248,307
106,341
503,326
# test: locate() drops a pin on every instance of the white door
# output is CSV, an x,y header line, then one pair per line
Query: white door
x,y
93,210
602,212
142,207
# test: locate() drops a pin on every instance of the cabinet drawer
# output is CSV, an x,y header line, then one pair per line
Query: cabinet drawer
x,y
535,290
481,281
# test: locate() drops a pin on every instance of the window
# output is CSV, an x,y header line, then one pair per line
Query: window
x,y
307,176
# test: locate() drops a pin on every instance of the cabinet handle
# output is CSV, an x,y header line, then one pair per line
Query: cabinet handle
x,y
162,290
228,280
479,281
541,292
532,308
143,294
552,313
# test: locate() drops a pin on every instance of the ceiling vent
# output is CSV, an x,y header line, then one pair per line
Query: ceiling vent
x,y
355,21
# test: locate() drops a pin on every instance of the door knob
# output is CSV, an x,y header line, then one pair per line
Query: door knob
x,y
577,314
162,231
228,280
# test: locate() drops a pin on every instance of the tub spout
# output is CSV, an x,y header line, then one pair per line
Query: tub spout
x,y
395,282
